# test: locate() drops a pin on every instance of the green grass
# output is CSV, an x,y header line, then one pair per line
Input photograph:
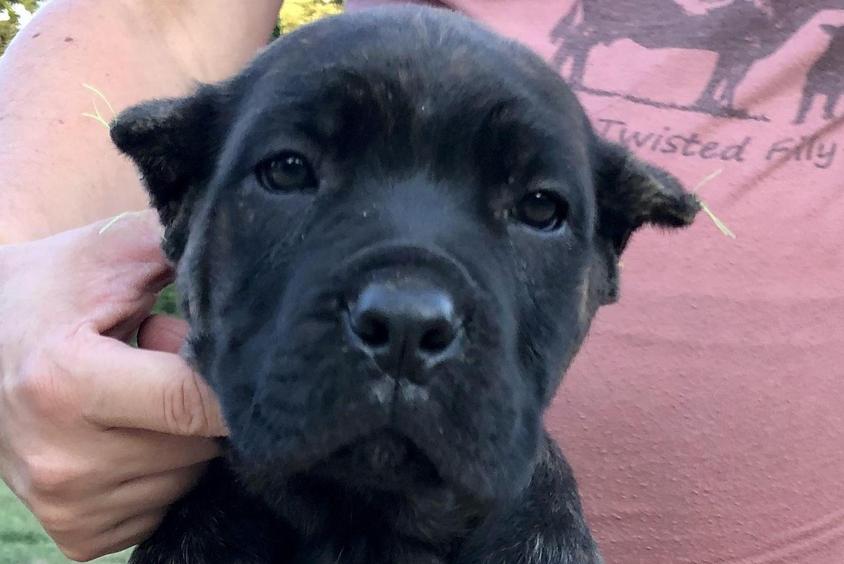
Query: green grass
x,y
23,541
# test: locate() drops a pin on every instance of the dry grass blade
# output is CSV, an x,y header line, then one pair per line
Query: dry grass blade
x,y
111,222
97,115
102,97
97,118
722,227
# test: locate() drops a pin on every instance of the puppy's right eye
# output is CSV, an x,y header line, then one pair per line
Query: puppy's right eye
x,y
287,172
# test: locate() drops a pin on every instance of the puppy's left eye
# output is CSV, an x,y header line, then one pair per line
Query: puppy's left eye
x,y
544,211
287,172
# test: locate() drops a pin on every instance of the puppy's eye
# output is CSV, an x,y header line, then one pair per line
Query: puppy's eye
x,y
287,172
544,211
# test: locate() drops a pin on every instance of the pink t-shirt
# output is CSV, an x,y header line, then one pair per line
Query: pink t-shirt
x,y
705,415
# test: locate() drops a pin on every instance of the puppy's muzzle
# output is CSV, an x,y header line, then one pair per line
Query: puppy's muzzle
x,y
403,310
407,326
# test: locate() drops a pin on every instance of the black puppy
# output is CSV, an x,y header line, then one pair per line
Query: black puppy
x,y
392,232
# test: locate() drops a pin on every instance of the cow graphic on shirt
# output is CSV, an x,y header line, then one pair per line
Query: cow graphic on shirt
x,y
708,25
826,77
700,7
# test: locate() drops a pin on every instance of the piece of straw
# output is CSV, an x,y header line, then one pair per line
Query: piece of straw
x,y
102,97
111,222
97,116
722,227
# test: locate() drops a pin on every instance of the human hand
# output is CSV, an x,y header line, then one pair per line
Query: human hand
x,y
96,437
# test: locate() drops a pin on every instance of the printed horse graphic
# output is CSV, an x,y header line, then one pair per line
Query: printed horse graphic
x,y
658,24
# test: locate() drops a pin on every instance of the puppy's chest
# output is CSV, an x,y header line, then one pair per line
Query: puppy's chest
x,y
357,547
363,554
426,528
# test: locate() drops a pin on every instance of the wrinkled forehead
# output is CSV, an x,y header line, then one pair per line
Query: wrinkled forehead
x,y
434,93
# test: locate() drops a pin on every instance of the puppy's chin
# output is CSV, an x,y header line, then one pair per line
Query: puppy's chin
x,y
382,461
380,435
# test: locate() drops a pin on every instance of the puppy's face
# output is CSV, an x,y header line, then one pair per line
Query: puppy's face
x,y
392,232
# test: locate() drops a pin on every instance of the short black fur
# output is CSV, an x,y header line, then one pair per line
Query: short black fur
x,y
424,132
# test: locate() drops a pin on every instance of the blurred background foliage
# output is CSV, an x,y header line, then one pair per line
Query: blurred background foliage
x,y
13,13
299,12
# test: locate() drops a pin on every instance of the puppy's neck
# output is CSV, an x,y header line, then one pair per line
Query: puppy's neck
x,y
347,525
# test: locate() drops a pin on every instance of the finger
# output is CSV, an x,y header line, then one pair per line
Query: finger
x,y
100,510
153,492
163,333
141,389
138,453
137,237
131,533
129,326
120,268
131,225
125,534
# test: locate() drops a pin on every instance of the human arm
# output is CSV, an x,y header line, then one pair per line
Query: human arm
x,y
58,169
98,438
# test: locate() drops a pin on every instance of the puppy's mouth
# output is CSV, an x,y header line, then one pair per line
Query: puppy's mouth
x,y
384,460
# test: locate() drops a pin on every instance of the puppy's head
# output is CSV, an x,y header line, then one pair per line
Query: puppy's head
x,y
392,232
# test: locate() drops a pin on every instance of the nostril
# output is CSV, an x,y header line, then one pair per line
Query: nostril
x,y
372,328
405,327
438,337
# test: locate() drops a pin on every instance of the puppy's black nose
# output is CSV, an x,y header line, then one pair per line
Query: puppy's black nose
x,y
406,328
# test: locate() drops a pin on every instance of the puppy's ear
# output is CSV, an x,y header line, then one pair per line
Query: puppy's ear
x,y
631,194
174,145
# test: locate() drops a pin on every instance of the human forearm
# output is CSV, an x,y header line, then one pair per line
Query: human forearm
x,y
57,168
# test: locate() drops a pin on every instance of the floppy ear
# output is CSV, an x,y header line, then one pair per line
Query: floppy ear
x,y
174,145
630,194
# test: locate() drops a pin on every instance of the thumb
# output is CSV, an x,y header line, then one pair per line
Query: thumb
x,y
162,333
151,390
